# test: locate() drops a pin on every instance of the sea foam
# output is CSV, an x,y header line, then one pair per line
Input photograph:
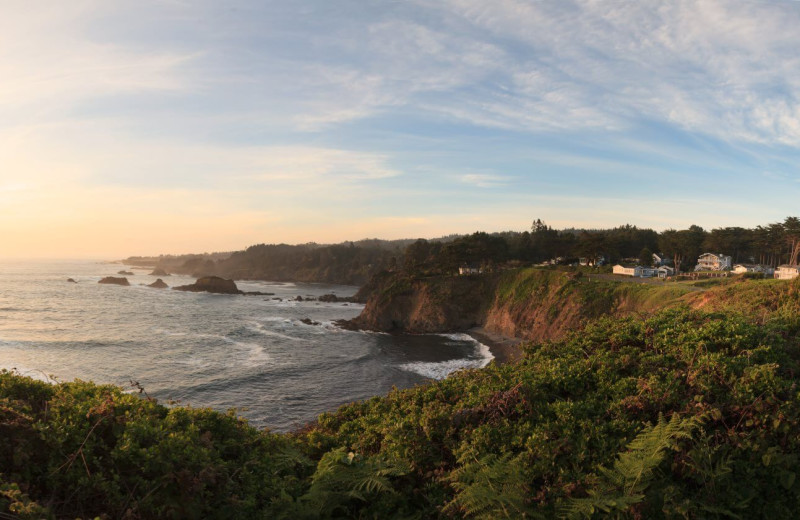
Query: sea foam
x,y
442,369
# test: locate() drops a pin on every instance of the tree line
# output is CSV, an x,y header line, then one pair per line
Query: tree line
x,y
772,245
356,262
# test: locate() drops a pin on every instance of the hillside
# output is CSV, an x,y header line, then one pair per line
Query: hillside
x,y
531,303
352,263
681,414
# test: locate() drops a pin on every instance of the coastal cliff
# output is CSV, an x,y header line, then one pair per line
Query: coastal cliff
x,y
535,304
396,302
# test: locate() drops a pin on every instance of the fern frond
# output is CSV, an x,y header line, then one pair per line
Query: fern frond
x,y
343,477
489,487
624,484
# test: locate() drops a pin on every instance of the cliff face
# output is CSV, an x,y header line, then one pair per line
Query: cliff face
x,y
544,315
528,303
397,303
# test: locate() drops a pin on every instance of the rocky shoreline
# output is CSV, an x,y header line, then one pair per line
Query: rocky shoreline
x,y
505,349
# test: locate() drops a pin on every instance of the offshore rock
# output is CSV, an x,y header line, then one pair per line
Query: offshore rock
x,y
332,298
126,273
113,280
70,280
211,284
159,284
159,272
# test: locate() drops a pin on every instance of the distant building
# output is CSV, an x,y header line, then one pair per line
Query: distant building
x,y
787,272
660,259
643,272
626,271
467,270
664,271
713,262
601,260
753,268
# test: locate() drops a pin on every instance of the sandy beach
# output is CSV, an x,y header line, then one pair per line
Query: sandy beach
x,y
504,349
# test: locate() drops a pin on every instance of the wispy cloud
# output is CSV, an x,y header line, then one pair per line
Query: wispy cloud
x,y
725,69
482,180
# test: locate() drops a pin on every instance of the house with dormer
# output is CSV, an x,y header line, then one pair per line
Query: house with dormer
x,y
714,262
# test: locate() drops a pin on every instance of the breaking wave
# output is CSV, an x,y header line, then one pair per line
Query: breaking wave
x,y
442,369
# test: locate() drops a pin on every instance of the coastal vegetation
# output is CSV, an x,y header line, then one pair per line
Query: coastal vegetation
x,y
350,263
355,263
691,411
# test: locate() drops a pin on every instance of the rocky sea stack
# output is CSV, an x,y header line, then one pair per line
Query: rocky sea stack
x,y
159,284
212,284
159,272
126,273
113,280
71,280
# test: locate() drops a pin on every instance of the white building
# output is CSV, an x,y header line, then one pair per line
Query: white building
x,y
626,271
660,259
713,262
469,270
787,272
753,268
643,272
664,271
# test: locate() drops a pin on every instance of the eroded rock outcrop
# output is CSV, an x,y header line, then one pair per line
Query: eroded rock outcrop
x,y
114,280
211,284
398,303
158,284
159,272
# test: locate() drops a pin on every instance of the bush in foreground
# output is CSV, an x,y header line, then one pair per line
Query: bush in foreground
x,y
684,414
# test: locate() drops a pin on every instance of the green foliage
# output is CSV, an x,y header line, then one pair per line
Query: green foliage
x,y
522,285
400,284
488,487
16,504
646,257
590,296
577,426
572,406
344,482
347,263
623,485
92,450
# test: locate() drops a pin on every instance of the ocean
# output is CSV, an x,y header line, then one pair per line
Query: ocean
x,y
252,353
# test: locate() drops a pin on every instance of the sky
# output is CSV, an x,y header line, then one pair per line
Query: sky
x,y
148,127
